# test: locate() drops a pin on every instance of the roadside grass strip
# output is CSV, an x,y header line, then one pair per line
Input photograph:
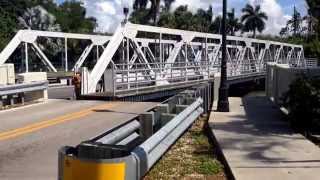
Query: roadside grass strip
x,y
191,157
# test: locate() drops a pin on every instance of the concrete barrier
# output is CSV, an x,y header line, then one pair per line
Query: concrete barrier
x,y
129,151
279,77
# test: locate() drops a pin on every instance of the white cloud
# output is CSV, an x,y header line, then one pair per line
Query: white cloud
x,y
276,17
109,13
107,7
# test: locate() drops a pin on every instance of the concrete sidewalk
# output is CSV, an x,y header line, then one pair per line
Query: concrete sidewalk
x,y
259,145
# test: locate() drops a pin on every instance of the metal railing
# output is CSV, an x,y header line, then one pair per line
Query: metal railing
x,y
143,76
22,88
312,62
123,78
130,150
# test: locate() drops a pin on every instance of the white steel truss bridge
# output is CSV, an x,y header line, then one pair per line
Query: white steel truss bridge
x,y
139,58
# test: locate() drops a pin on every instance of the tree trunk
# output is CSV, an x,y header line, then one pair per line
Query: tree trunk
x,y
254,33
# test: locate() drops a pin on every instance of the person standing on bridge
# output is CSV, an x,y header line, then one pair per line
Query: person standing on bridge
x,y
76,81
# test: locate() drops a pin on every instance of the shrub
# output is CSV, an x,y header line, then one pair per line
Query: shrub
x,y
303,104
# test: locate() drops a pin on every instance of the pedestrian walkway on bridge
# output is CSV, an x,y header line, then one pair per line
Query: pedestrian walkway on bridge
x,y
257,142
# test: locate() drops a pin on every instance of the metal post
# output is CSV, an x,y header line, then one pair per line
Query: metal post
x,y
223,102
186,61
26,56
98,54
128,61
66,53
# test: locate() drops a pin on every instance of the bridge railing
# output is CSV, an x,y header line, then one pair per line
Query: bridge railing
x,y
123,78
148,77
312,62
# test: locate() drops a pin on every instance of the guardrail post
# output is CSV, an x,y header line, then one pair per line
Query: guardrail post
x,y
21,97
1,102
147,121
11,100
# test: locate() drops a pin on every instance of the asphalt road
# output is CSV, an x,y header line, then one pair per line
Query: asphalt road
x,y
31,136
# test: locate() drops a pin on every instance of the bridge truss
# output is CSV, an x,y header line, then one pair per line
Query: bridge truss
x,y
146,57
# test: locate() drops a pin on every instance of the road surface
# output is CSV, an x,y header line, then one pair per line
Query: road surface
x,y
31,136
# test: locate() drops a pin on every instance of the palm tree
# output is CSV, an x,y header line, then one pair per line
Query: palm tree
x,y
253,19
296,22
154,10
140,4
233,24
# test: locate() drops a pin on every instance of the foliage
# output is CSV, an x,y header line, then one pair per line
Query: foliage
x,y
7,24
303,30
312,49
182,18
253,19
314,11
70,15
191,157
233,23
72,18
153,11
295,25
38,18
303,103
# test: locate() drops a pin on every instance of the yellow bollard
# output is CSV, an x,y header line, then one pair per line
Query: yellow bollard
x,y
75,169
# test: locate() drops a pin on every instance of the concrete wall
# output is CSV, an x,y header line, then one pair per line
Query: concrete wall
x,y
279,77
41,95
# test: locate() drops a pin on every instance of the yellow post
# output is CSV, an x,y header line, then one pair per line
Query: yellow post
x,y
75,169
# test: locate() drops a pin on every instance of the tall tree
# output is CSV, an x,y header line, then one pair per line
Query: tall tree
x,y
314,11
140,4
140,7
233,23
203,19
154,10
167,4
295,22
72,18
215,26
38,18
253,19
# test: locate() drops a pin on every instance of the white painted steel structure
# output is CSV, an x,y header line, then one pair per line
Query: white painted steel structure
x,y
139,56
30,37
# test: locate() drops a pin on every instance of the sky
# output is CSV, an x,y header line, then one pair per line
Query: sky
x,y
109,12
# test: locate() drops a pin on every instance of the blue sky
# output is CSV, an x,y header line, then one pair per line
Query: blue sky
x,y
109,12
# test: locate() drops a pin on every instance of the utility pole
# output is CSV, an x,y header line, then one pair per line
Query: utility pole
x,y
223,102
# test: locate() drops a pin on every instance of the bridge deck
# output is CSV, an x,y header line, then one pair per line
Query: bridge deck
x,y
258,144
31,136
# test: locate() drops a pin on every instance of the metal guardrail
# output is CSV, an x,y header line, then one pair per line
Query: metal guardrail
x,y
22,88
130,150
11,94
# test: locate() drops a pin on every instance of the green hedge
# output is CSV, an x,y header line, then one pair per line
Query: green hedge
x,y
303,104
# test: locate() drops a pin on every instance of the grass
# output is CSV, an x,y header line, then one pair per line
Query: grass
x,y
191,157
